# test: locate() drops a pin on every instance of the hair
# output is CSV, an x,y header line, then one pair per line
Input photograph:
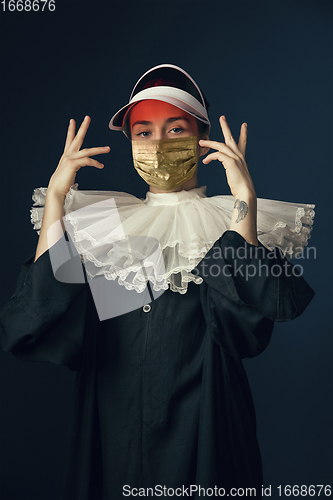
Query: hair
x,y
175,82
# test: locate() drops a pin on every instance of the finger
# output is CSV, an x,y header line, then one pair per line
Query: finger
x,y
87,162
228,137
243,139
220,146
79,138
70,134
91,152
216,156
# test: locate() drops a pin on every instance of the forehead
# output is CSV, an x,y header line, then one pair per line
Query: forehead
x,y
152,109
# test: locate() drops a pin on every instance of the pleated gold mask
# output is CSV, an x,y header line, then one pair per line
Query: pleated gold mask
x,y
166,163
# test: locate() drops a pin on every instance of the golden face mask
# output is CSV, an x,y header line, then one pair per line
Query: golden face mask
x,y
167,163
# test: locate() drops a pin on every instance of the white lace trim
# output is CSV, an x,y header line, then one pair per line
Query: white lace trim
x,y
37,211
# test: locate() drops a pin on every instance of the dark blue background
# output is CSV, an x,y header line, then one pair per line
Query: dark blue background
x,y
267,63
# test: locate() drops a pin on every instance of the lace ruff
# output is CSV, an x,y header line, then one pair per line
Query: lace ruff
x,y
163,237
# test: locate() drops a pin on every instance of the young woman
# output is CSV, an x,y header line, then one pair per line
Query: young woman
x,y
182,286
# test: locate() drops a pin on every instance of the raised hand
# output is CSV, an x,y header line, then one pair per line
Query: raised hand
x,y
74,158
232,156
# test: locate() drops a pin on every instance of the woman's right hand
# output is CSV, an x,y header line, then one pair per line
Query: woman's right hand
x,y
73,159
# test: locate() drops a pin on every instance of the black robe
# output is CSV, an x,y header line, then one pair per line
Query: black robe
x,y
161,397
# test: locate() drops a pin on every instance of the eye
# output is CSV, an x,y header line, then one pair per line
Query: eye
x,y
143,132
179,129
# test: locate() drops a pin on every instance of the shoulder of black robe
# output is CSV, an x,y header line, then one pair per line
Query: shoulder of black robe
x,y
54,321
45,318
248,288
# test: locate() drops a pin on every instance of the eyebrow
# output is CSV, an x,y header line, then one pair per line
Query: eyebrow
x,y
169,120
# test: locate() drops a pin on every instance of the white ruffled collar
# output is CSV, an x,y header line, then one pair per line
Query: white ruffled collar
x,y
164,236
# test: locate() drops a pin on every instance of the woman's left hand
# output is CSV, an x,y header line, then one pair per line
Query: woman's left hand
x,y
233,159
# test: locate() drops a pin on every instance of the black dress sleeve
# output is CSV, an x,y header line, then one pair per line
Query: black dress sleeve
x,y
45,318
250,287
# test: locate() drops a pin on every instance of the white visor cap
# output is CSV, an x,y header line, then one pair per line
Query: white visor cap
x,y
186,95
